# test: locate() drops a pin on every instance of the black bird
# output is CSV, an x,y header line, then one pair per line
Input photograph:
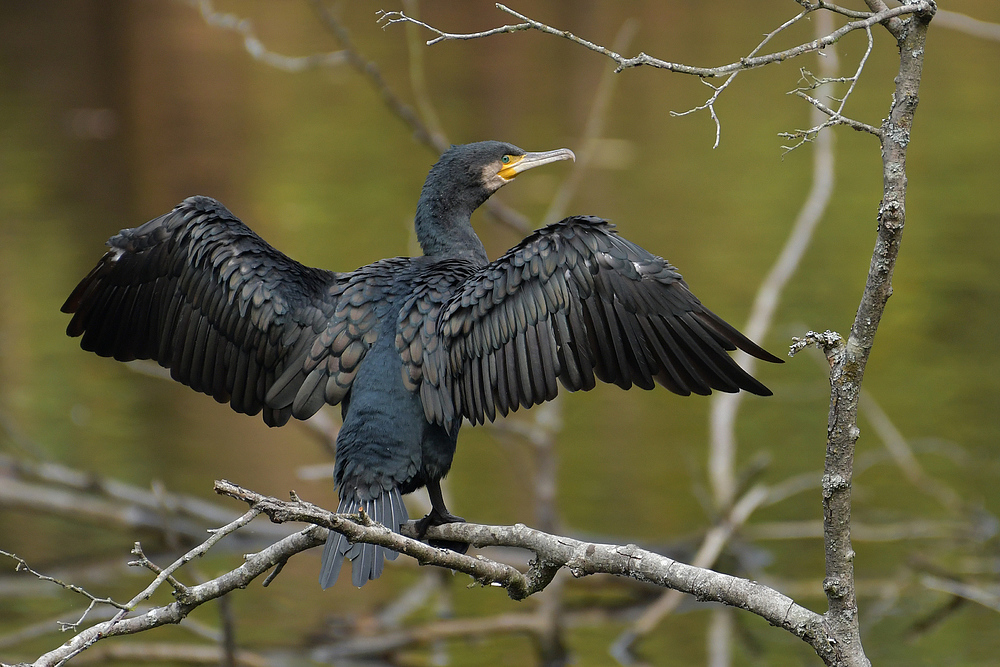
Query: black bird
x,y
408,346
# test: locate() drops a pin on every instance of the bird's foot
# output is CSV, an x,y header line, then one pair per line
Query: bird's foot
x,y
435,518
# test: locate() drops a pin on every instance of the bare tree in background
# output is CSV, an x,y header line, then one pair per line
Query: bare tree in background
x,y
835,635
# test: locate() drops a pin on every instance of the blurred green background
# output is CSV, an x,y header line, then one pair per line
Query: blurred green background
x,y
112,112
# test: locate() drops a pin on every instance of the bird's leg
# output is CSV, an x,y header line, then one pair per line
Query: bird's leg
x,y
438,510
438,516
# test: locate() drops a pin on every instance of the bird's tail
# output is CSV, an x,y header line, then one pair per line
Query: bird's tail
x,y
366,559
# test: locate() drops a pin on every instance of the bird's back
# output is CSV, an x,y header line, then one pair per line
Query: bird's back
x,y
386,434
386,446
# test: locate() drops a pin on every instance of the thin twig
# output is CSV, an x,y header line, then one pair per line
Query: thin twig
x,y
836,116
836,9
253,566
710,104
166,574
22,566
154,568
863,21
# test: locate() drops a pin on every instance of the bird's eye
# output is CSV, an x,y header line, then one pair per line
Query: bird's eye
x,y
505,159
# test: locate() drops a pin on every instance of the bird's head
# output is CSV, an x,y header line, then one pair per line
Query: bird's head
x,y
482,168
496,163
462,179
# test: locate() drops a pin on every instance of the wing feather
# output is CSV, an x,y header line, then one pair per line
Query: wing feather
x,y
573,301
488,364
200,293
502,392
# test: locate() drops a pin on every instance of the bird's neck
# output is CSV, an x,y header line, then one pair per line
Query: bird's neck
x,y
444,227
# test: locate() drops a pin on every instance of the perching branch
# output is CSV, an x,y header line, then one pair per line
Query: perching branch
x,y
708,553
553,552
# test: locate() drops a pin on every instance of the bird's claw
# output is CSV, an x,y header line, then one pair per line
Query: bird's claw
x,y
435,518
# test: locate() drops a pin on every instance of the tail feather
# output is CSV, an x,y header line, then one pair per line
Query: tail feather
x,y
367,560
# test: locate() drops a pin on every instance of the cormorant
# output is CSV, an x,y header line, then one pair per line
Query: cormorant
x,y
408,346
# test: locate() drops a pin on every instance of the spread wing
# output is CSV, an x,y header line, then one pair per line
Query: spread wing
x,y
572,302
230,316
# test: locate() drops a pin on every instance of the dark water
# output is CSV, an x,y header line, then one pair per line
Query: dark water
x,y
110,113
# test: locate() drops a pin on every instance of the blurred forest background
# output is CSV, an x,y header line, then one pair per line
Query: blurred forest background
x,y
112,112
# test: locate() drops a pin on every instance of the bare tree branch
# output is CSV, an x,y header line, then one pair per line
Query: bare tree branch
x,y
710,104
893,24
643,59
553,552
22,566
863,21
